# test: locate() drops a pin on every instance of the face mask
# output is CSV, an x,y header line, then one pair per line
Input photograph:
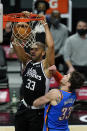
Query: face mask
x,y
55,22
82,31
41,12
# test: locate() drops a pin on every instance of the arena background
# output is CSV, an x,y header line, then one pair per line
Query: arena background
x,y
79,8
78,119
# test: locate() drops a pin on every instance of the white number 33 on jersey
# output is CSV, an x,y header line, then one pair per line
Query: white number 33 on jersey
x,y
31,85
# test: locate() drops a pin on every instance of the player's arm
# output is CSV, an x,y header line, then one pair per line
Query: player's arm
x,y
49,61
20,52
55,73
58,76
53,96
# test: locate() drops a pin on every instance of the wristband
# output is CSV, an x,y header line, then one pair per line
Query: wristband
x,y
45,24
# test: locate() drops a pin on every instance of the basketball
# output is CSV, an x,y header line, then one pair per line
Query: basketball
x,y
21,30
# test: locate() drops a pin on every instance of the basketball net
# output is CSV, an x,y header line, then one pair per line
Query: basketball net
x,y
24,29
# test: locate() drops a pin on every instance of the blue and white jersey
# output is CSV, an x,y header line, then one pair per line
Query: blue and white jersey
x,y
56,117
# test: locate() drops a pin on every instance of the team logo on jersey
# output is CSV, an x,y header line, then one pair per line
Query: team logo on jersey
x,y
33,73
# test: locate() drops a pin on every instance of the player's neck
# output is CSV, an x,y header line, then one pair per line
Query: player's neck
x,y
65,88
37,61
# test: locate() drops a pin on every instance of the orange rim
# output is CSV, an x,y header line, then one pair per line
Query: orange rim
x,y
18,17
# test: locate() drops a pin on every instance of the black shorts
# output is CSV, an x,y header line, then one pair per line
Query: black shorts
x,y
29,119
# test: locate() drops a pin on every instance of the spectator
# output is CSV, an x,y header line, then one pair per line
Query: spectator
x,y
75,49
7,32
41,6
60,33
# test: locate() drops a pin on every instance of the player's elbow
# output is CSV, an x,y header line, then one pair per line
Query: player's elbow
x,y
51,45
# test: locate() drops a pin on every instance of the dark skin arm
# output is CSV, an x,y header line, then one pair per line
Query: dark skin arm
x,y
20,52
50,46
49,60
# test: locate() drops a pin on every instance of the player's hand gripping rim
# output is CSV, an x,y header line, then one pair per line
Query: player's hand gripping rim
x,y
44,19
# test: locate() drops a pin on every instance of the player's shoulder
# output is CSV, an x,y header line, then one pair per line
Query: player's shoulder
x,y
55,92
55,96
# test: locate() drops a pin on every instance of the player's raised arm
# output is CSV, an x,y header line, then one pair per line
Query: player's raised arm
x,y
50,45
55,73
20,52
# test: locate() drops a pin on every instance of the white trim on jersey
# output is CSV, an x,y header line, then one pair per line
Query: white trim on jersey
x,y
47,83
28,62
43,69
25,66
36,63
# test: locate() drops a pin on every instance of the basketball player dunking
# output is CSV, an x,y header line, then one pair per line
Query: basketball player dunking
x,y
36,78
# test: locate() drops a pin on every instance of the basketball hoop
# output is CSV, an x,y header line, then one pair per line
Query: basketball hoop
x,y
21,17
22,26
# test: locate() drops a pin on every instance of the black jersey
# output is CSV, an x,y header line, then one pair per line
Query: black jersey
x,y
35,82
